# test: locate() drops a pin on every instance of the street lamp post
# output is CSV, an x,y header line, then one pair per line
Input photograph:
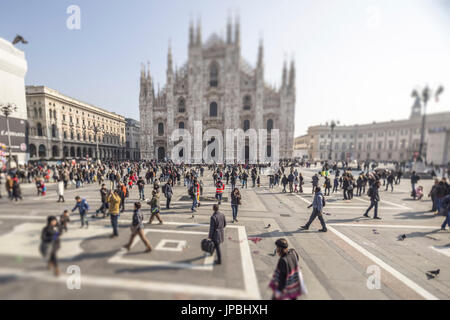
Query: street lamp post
x,y
332,126
96,131
7,109
424,97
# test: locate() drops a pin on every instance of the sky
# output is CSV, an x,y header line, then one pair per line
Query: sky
x,y
357,61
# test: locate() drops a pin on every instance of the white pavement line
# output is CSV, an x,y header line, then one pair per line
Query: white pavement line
x,y
445,250
393,226
174,231
131,284
408,282
14,217
305,200
356,207
248,270
396,205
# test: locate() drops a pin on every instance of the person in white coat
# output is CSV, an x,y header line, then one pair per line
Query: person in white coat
x,y
60,190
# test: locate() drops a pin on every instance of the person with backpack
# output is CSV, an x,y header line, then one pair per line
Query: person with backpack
x,y
83,208
374,199
318,204
194,193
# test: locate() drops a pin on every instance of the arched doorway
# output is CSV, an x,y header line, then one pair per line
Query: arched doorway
x,y
161,153
32,151
55,152
42,151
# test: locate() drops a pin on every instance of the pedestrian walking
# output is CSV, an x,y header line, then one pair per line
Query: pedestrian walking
x,y
235,203
83,208
114,211
60,190
374,199
154,208
317,204
168,193
137,228
287,280
50,243
217,225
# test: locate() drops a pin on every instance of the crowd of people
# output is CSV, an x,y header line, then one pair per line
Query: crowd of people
x,y
117,179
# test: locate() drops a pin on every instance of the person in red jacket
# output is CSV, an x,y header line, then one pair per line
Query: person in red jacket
x,y
220,187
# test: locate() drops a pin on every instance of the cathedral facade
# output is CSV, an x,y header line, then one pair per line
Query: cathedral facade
x,y
219,88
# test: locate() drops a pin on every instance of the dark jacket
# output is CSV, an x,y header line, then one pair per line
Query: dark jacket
x,y
216,226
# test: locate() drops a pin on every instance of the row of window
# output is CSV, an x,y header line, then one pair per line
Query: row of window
x,y
246,126
247,105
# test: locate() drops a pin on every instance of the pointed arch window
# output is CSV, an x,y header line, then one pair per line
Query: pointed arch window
x,y
269,125
214,75
247,102
213,109
181,105
160,128
246,125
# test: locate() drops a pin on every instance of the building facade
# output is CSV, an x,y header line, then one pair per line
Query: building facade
x,y
13,68
385,141
301,147
132,129
219,88
60,127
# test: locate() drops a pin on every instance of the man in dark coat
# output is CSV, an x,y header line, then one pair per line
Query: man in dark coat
x,y
216,231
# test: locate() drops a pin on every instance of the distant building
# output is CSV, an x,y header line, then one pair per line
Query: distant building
x,y
301,147
61,127
397,140
132,129
219,88
13,68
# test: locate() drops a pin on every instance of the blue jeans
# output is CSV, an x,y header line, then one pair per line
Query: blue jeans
x,y
141,194
114,223
234,209
413,186
373,204
447,220
438,204
194,203
83,215
219,197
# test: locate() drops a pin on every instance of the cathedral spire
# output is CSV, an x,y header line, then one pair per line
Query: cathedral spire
x,y
292,74
229,31
284,77
191,33
169,58
237,30
260,54
199,32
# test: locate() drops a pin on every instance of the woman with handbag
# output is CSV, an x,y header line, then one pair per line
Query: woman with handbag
x,y
137,228
235,202
154,207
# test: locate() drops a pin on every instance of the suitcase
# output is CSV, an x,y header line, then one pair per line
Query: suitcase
x,y
208,246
